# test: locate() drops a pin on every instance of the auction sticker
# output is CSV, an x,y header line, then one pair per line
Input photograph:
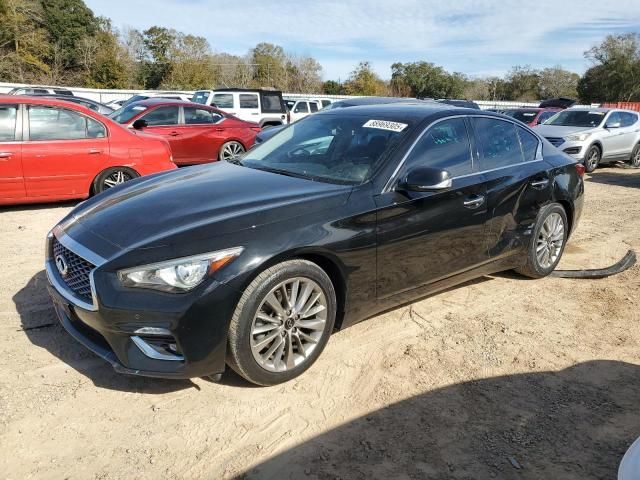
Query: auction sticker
x,y
385,125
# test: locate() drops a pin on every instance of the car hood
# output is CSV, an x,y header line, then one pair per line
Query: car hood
x,y
559,131
205,202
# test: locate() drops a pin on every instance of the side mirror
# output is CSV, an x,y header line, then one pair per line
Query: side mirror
x,y
613,125
140,124
425,179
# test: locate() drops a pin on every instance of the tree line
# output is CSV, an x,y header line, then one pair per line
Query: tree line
x,y
62,42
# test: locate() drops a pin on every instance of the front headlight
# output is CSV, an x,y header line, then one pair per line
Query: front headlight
x,y
579,137
179,275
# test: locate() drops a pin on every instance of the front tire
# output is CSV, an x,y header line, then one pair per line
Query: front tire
x,y
635,157
231,151
112,177
282,323
592,159
547,242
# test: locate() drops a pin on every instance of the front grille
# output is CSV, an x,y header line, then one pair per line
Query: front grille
x,y
78,270
555,141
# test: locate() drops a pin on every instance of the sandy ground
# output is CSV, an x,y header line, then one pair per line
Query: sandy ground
x,y
502,377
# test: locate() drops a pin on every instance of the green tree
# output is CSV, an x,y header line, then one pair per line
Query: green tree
x,y
615,74
331,87
190,60
364,81
158,41
68,22
557,82
426,80
269,65
523,84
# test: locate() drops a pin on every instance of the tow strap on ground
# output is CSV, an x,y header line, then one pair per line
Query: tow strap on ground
x,y
628,261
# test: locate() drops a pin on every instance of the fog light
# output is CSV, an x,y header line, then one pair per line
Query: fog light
x,y
153,331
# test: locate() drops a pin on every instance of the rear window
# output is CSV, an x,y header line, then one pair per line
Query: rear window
x,y
200,97
223,100
271,103
248,100
525,116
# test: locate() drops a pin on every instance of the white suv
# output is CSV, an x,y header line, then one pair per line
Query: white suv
x,y
301,107
264,107
595,135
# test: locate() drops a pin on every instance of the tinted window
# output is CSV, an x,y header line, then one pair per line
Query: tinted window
x,y
313,106
497,143
248,100
271,103
223,100
8,123
290,104
301,108
162,116
194,116
50,123
325,103
529,144
628,119
63,92
525,116
445,146
40,91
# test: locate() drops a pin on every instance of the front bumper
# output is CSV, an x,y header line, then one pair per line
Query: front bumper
x,y
575,149
196,324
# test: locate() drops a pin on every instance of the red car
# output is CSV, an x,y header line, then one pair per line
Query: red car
x,y
196,133
532,116
52,150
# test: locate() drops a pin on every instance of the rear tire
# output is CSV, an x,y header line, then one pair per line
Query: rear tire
x,y
592,159
111,177
547,242
272,341
635,157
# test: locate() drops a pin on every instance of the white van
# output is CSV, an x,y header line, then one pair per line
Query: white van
x,y
301,107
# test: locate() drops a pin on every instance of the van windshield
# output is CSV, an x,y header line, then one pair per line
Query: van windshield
x,y
201,97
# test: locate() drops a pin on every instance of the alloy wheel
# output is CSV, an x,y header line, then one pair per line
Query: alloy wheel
x,y
593,158
231,151
550,240
289,324
116,178
635,161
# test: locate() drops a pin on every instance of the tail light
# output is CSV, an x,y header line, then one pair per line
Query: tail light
x,y
580,169
256,129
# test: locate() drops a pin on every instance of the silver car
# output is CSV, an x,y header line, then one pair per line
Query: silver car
x,y
595,135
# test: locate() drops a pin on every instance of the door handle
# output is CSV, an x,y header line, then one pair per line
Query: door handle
x,y
174,134
95,151
540,184
474,201
219,129
6,154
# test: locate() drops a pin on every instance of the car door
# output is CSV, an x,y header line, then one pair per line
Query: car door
x,y
204,134
424,237
517,182
613,142
63,151
11,175
164,121
300,110
630,128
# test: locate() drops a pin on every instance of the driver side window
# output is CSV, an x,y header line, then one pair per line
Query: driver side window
x,y
445,145
162,116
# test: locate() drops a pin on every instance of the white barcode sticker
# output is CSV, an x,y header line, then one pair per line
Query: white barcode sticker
x,y
385,125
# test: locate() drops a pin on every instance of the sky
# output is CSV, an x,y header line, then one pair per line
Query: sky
x,y
475,37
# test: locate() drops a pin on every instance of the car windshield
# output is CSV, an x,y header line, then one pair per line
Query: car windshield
x,y
200,97
290,104
525,116
126,113
577,118
331,148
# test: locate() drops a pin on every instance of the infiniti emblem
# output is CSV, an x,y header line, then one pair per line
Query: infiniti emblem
x,y
62,265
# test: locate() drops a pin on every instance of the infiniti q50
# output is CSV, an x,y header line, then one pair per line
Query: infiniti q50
x,y
253,264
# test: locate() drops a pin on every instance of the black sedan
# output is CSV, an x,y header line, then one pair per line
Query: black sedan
x,y
340,216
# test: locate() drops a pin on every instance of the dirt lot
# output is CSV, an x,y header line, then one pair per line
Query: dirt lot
x,y
503,377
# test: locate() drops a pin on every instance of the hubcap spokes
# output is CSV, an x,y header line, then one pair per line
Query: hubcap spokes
x,y
232,151
593,158
550,240
116,178
289,324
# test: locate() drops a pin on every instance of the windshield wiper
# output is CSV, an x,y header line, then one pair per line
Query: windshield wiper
x,y
283,172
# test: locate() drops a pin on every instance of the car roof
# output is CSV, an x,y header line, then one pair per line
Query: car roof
x,y
166,101
352,102
417,110
47,100
254,90
590,109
